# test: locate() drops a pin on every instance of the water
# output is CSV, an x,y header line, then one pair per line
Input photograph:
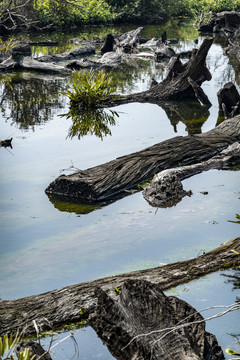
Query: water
x,y
47,245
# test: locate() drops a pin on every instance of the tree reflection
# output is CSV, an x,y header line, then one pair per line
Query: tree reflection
x,y
29,99
192,114
90,121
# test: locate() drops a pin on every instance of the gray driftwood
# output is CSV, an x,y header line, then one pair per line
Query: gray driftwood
x,y
166,188
62,306
112,179
21,59
139,325
84,50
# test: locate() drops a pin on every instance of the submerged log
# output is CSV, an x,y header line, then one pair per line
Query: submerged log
x,y
56,308
145,324
112,179
166,188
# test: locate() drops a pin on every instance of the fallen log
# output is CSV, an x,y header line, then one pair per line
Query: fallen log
x,y
145,324
176,86
21,59
166,188
114,179
84,50
56,308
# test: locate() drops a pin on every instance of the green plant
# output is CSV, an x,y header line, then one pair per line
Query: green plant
x,y
7,347
6,46
90,89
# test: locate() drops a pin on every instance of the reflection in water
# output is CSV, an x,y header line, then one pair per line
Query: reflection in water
x,y
29,99
192,114
62,203
90,121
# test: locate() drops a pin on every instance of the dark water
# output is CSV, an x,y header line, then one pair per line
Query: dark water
x,y
47,244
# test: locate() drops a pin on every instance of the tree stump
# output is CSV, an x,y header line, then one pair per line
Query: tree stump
x,y
229,100
145,324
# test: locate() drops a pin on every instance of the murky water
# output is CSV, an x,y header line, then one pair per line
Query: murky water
x,y
49,244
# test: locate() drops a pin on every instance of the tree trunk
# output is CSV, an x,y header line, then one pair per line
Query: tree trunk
x,y
176,86
166,189
114,179
63,306
139,325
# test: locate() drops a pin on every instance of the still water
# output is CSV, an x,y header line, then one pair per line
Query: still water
x,y
49,244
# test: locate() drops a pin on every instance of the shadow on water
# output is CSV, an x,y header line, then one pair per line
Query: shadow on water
x,y
90,122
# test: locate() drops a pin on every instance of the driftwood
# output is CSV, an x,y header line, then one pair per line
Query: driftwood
x,y
138,325
112,179
166,188
21,59
229,100
127,41
225,22
84,50
59,307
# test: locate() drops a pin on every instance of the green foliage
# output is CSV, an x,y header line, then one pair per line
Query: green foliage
x,y
202,7
91,89
7,346
6,46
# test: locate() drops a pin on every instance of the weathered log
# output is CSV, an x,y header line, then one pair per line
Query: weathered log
x,y
112,179
145,324
56,308
166,188
225,22
21,59
86,49
229,100
128,41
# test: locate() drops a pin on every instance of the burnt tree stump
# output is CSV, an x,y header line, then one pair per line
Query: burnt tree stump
x,y
145,324
229,100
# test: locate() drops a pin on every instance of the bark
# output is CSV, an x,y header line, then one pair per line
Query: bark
x,y
166,188
59,307
137,325
114,179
